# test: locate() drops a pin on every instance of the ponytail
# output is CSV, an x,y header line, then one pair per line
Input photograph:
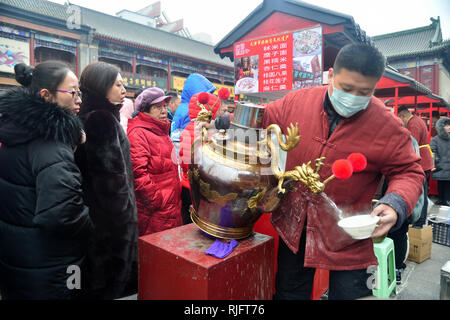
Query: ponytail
x,y
47,75
24,74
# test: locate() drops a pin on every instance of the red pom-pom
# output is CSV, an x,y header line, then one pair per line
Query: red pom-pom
x,y
358,161
224,93
342,169
203,97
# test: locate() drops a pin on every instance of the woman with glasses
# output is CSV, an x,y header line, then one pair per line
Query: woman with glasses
x,y
156,179
44,223
105,164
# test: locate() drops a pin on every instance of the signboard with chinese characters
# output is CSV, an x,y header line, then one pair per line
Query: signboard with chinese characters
x,y
134,79
279,63
142,81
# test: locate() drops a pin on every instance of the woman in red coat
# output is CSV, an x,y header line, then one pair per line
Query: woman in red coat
x,y
156,179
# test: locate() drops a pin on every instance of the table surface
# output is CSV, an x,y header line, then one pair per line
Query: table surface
x,y
189,243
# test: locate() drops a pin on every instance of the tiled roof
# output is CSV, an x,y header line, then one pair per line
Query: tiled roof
x,y
412,42
116,28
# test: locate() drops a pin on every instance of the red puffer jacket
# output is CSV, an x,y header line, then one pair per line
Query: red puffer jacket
x,y
188,134
156,181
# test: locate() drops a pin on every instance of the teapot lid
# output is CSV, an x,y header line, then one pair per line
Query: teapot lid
x,y
248,115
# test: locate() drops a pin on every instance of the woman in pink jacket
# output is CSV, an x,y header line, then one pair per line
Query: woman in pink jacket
x,y
156,179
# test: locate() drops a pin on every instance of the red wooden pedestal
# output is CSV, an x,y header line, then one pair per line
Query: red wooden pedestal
x,y
173,266
264,226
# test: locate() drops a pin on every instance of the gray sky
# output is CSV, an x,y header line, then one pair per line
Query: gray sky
x,y
219,17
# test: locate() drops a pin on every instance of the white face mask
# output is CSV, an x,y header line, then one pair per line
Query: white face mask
x,y
347,104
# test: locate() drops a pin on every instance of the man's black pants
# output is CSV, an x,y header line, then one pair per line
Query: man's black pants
x,y
295,282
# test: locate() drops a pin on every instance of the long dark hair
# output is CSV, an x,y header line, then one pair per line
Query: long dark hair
x,y
46,75
98,78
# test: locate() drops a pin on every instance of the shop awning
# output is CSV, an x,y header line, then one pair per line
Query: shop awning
x,y
398,90
405,86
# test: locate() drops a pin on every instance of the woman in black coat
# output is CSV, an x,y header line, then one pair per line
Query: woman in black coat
x,y
440,146
44,224
105,164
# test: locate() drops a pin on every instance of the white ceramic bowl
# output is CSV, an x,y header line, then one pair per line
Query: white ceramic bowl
x,y
360,226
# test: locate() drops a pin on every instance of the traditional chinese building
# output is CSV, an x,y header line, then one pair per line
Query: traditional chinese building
x,y
421,54
34,31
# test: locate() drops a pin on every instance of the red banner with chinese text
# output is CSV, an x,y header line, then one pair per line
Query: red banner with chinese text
x,y
280,62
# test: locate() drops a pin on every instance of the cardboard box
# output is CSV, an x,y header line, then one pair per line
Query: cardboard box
x,y
420,243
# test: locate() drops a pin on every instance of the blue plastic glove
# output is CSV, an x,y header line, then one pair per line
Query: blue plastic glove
x,y
221,249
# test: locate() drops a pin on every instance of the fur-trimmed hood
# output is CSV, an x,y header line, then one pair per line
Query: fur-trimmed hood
x,y
441,130
24,117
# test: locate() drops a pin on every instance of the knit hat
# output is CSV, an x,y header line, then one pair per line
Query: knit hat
x,y
149,97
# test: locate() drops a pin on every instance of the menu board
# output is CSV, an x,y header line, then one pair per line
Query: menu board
x,y
280,62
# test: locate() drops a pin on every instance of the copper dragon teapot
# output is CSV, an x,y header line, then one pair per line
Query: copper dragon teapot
x,y
235,174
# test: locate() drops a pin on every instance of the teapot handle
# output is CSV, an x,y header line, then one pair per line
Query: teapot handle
x,y
292,140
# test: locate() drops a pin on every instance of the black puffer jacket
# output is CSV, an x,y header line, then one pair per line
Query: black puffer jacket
x,y
108,187
44,224
440,145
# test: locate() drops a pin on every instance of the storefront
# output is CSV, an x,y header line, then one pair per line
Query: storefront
x,y
31,43
37,31
284,45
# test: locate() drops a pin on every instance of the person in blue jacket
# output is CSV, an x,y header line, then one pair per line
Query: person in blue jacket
x,y
195,83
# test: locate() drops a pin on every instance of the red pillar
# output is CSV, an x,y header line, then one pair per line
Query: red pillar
x,y
169,76
429,129
133,65
396,101
436,79
415,103
77,61
32,59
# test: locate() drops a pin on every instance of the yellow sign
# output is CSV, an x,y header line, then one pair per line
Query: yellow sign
x,y
178,84
219,86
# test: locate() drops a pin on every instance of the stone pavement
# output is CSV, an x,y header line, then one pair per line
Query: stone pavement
x,y
421,281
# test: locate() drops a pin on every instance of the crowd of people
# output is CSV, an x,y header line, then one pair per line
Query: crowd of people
x,y
86,171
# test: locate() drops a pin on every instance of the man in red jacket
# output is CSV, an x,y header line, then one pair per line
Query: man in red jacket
x,y
419,131
335,121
